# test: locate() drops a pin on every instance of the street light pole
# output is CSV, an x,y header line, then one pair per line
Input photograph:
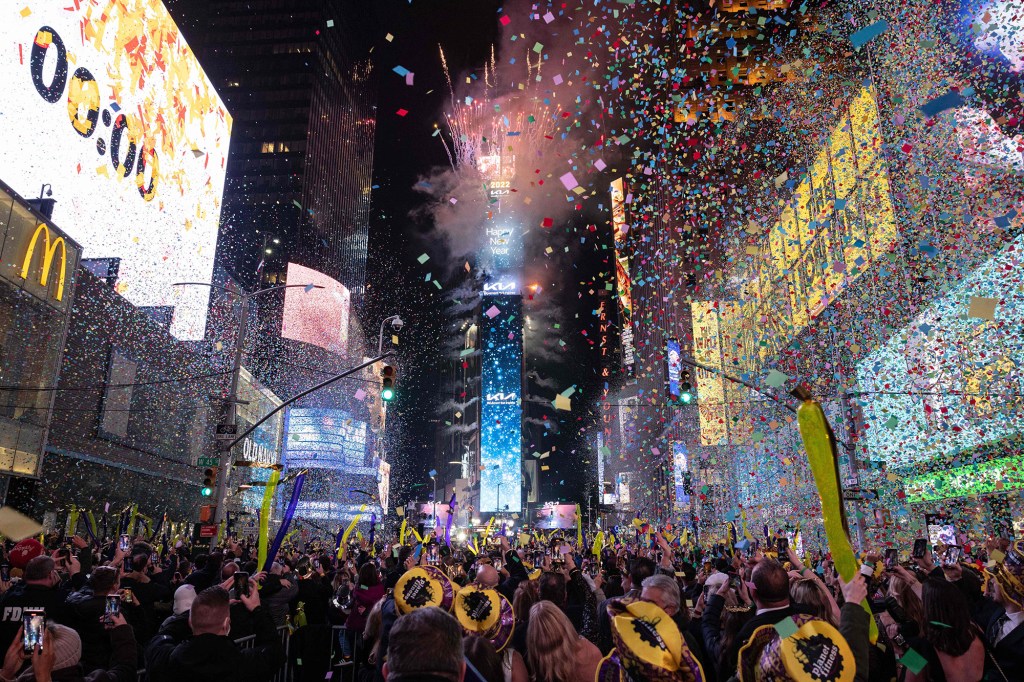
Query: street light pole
x,y
230,405
434,479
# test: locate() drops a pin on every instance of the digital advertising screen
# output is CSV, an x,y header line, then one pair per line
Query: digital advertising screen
x,y
988,38
707,350
680,470
106,104
623,280
326,438
263,445
501,412
316,316
675,366
838,220
953,379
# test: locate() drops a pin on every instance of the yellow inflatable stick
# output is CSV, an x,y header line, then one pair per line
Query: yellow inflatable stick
x,y
820,443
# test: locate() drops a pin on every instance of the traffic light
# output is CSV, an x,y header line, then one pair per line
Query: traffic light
x,y
387,384
209,481
686,394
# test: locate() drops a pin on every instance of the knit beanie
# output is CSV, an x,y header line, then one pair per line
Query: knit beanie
x,y
67,646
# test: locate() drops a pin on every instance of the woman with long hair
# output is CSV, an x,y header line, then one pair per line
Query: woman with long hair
x,y
367,592
902,590
811,594
557,653
950,642
527,594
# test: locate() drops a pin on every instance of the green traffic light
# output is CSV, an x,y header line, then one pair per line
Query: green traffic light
x,y
387,394
207,491
687,398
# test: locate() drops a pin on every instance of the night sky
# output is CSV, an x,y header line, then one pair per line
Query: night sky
x,y
406,151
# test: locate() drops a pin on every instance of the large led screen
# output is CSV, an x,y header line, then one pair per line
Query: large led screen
x,y
953,379
680,472
623,281
316,316
501,339
105,102
324,438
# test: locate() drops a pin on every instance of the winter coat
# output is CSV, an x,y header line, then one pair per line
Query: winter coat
x,y
363,599
276,595
24,596
216,658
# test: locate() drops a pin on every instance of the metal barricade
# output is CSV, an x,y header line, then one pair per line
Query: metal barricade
x,y
284,674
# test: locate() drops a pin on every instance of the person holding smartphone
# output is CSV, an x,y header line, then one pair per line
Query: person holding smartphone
x,y
59,657
40,586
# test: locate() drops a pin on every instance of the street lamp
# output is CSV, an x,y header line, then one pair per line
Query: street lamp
x,y
236,368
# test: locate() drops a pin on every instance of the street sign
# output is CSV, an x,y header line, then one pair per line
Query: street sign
x,y
860,494
226,431
209,461
208,530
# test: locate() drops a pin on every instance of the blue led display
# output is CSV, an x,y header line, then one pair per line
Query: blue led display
x,y
680,468
501,340
674,366
324,439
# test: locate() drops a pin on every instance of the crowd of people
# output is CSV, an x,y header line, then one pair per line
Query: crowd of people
x,y
550,610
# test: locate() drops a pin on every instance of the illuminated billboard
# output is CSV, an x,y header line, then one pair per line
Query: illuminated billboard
x,y
501,342
316,316
953,379
983,478
325,438
624,284
263,445
675,367
838,220
707,350
105,102
680,474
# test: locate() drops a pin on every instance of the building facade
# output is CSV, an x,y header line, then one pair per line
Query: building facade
x,y
297,77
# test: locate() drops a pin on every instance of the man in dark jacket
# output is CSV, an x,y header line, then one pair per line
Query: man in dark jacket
x,y
639,570
209,574
40,589
210,655
87,607
771,597
1004,630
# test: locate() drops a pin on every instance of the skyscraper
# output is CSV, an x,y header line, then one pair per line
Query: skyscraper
x,y
297,78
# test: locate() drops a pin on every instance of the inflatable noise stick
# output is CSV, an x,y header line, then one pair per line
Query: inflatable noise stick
x,y
820,443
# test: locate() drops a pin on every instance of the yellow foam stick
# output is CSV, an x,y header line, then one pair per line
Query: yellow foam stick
x,y
820,443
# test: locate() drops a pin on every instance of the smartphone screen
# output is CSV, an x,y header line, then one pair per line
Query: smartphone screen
x,y
5,572
112,605
890,559
34,623
241,583
953,555
127,595
920,547
125,543
783,547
